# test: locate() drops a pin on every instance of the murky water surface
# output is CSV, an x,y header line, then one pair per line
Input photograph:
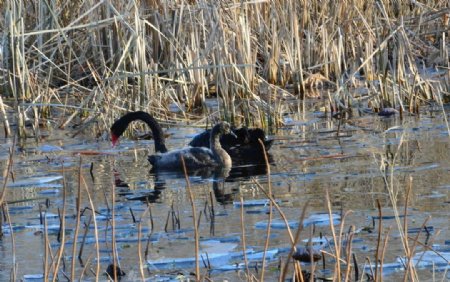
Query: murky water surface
x,y
309,159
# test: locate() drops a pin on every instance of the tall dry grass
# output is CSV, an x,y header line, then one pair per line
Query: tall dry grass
x,y
86,61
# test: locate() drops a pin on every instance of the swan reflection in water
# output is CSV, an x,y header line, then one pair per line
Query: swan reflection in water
x,y
217,176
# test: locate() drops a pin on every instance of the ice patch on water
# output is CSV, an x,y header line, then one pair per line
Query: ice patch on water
x,y
49,148
35,181
321,219
253,203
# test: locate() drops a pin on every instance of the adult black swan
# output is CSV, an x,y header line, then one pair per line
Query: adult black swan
x,y
194,157
246,137
245,149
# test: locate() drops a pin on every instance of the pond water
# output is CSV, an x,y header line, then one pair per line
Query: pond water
x,y
309,158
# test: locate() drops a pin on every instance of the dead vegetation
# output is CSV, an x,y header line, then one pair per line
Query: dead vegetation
x,y
86,61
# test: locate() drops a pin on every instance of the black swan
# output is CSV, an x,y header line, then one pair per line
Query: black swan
x,y
246,137
244,149
194,157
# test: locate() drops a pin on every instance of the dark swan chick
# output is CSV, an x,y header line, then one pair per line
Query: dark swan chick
x,y
197,157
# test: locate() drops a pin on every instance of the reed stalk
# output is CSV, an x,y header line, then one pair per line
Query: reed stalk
x,y
47,251
97,246
14,269
337,267
77,223
9,168
194,220
244,244
114,250
269,182
140,256
60,253
293,248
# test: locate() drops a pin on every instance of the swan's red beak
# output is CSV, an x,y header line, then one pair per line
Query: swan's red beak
x,y
114,139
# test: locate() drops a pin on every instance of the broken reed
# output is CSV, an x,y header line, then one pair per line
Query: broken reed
x,y
79,59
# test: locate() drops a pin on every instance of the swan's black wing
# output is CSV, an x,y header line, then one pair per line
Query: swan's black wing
x,y
201,140
226,141
249,155
243,149
257,133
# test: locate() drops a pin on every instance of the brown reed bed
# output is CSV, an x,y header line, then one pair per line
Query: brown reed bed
x,y
82,63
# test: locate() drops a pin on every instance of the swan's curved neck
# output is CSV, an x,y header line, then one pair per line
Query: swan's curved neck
x,y
219,153
158,135
214,140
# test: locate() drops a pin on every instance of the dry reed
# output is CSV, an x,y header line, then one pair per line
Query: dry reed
x,y
97,58
194,221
